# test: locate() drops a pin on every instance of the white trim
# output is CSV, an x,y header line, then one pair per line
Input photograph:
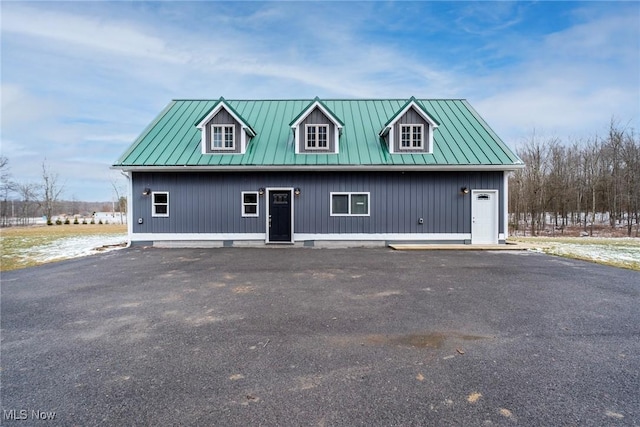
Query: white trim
x,y
196,236
349,193
224,126
496,194
243,204
244,127
317,135
419,111
298,237
383,236
153,204
268,203
505,197
337,127
432,126
129,205
315,168
411,140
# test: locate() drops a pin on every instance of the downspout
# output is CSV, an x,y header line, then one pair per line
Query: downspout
x,y
129,176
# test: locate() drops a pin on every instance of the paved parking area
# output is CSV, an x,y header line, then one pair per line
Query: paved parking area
x,y
335,337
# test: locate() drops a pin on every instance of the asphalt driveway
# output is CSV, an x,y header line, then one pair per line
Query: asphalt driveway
x,y
293,336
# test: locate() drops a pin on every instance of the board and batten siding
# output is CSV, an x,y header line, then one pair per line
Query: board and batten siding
x,y
210,202
317,117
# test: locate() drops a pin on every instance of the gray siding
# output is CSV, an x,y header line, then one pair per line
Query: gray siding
x,y
223,118
211,202
317,117
411,117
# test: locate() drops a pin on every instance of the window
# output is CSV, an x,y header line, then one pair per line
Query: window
x,y
317,137
160,204
249,203
223,137
411,137
349,204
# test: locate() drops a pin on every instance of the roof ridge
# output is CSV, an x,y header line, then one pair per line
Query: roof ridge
x,y
321,99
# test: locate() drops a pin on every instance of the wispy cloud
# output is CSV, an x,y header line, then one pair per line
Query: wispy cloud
x,y
99,36
93,75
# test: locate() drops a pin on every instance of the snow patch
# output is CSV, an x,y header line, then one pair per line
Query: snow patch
x,y
74,247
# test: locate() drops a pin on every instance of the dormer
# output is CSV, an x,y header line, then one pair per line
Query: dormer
x,y
224,131
410,130
316,130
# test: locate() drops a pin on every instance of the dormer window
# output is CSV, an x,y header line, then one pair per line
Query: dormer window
x,y
411,137
317,137
316,130
410,130
224,131
223,137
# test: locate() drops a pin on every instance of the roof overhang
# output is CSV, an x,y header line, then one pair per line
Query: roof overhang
x,y
321,168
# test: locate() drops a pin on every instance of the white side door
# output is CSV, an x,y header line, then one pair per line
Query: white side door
x,y
484,217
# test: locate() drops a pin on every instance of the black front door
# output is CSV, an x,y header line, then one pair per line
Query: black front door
x,y
280,216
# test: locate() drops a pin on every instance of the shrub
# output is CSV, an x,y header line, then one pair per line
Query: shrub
x,y
84,220
66,221
49,222
93,221
75,220
58,222
100,222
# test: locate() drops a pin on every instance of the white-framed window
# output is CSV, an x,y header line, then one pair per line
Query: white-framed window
x,y
160,203
223,137
349,204
411,137
317,137
250,203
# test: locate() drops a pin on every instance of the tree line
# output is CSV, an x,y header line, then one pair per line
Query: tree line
x,y
577,184
20,201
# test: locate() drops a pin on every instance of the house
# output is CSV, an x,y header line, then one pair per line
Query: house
x,y
231,172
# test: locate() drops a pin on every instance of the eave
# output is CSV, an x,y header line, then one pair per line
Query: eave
x,y
320,168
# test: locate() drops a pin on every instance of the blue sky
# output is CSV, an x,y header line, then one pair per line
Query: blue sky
x,y
81,80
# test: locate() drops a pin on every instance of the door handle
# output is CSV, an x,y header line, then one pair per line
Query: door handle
x,y
269,221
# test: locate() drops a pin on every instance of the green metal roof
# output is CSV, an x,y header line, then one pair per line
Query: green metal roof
x,y
462,139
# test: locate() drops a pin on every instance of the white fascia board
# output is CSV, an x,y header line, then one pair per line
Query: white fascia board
x,y
310,109
320,168
419,111
215,111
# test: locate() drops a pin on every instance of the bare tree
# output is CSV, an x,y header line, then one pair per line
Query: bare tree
x,y
121,199
6,187
50,191
28,193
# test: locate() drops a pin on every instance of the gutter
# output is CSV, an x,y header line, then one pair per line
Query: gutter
x,y
320,168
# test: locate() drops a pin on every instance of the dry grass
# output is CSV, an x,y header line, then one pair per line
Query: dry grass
x,y
19,243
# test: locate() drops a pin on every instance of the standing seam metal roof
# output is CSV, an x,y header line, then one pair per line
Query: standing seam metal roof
x,y
462,138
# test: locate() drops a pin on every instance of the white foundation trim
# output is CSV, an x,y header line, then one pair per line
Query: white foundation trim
x,y
300,236
196,236
384,236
